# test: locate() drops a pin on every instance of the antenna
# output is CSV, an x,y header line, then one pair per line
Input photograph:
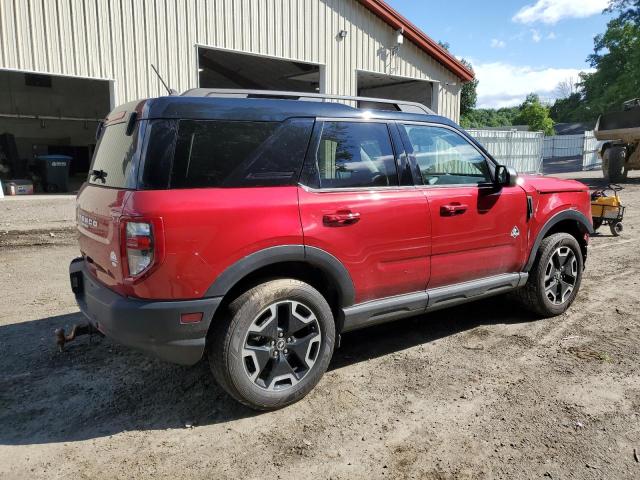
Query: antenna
x,y
170,91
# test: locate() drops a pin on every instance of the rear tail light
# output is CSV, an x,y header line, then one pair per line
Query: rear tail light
x,y
139,246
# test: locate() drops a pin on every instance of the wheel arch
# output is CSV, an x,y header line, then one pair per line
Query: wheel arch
x,y
567,221
312,265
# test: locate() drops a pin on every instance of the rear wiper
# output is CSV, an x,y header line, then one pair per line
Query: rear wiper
x,y
99,175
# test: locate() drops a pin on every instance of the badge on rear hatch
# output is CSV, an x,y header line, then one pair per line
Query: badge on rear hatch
x,y
113,258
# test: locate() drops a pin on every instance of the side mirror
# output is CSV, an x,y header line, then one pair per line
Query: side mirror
x,y
506,176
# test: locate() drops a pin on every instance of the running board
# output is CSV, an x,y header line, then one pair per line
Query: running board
x,y
411,304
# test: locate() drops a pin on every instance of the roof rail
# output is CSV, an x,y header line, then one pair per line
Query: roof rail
x,y
401,105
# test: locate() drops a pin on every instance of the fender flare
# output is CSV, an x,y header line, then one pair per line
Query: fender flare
x,y
583,223
330,266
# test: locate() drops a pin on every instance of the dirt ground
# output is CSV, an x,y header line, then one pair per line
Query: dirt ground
x,y
476,392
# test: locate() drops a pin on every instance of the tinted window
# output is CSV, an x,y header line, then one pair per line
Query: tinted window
x,y
234,154
115,157
355,154
445,157
158,156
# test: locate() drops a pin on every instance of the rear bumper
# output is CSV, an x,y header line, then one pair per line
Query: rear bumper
x,y
149,325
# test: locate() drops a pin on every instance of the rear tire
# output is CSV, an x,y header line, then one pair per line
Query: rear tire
x,y
555,278
273,344
614,162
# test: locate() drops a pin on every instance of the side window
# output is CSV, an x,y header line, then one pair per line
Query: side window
x,y
355,154
445,157
224,154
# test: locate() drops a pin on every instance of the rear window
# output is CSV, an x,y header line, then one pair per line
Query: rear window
x,y
114,162
216,153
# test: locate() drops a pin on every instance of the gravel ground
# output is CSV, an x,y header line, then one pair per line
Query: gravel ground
x,y
475,392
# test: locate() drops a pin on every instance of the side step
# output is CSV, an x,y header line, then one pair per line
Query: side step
x,y
402,306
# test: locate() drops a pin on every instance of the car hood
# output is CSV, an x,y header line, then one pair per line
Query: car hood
x,y
544,184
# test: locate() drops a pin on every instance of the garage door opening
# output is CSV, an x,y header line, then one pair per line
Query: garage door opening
x,y
378,85
226,69
49,115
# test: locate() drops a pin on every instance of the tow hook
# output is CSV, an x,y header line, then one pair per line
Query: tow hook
x,y
76,331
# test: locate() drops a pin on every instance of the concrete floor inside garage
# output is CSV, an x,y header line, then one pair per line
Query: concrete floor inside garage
x,y
44,114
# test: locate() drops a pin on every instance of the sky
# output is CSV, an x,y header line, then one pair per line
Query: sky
x,y
516,47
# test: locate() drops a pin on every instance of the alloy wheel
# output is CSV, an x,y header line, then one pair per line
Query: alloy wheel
x,y
561,275
281,345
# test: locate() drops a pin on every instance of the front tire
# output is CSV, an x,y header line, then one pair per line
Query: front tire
x,y
273,345
555,278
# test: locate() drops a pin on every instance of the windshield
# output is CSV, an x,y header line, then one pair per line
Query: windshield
x,y
115,159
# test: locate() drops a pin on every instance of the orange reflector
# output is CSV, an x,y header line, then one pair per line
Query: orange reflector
x,y
191,317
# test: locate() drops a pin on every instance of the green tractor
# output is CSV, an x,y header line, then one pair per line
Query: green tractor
x,y
619,133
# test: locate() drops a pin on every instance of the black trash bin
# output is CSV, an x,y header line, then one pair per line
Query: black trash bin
x,y
54,172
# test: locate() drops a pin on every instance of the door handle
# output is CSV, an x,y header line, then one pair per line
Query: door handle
x,y
341,218
453,209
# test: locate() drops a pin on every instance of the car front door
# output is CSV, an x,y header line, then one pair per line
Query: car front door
x,y
355,205
478,229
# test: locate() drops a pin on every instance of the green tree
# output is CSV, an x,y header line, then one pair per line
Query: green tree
x,y
629,10
489,117
536,115
616,60
469,93
568,109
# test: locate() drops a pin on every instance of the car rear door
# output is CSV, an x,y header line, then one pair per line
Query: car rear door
x,y
478,229
358,203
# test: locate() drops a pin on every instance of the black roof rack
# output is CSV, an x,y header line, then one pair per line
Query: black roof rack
x,y
400,105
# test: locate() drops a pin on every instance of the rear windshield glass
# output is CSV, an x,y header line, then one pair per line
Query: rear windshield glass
x,y
114,160
217,153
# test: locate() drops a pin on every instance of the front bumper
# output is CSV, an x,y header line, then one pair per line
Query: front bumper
x,y
149,325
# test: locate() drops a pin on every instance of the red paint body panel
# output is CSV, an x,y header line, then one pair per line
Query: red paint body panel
x,y
205,231
551,196
386,251
98,215
543,184
477,242
399,243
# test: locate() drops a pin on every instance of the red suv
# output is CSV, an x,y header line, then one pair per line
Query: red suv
x,y
257,230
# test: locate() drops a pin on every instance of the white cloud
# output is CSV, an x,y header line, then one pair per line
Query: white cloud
x,y
535,36
504,85
551,36
552,11
495,43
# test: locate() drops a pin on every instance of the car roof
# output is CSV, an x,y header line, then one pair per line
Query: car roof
x,y
262,110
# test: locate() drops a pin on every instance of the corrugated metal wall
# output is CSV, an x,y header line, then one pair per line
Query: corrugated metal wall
x,y
118,39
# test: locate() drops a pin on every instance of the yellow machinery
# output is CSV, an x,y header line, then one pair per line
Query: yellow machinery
x,y
606,209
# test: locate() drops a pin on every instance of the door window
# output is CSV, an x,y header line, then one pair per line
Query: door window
x,y
355,154
445,157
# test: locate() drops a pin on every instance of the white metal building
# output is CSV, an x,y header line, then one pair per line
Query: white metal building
x,y
64,63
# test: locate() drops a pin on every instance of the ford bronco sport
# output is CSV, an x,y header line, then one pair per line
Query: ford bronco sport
x,y
255,231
